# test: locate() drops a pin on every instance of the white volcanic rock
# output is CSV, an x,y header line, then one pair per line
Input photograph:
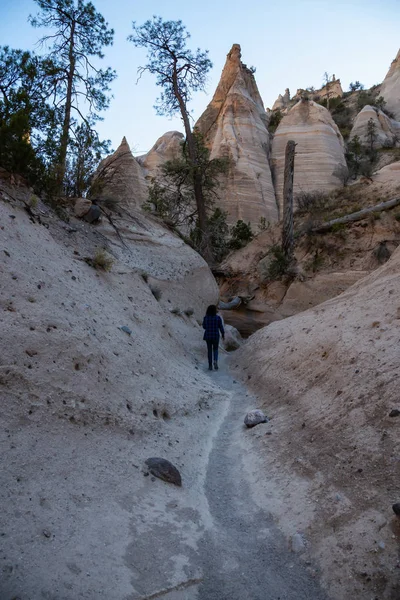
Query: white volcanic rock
x,y
390,88
167,147
234,125
387,130
333,89
319,149
120,177
282,101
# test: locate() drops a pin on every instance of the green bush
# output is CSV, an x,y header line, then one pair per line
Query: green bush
x,y
241,234
279,264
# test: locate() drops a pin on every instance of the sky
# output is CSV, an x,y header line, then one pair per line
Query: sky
x,y
291,43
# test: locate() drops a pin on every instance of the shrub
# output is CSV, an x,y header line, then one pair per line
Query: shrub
x,y
274,120
279,264
189,312
310,201
241,234
175,311
102,260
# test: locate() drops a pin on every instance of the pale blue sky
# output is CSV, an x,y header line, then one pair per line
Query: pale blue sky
x,y
291,43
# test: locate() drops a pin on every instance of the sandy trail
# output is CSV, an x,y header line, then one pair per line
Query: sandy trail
x,y
244,555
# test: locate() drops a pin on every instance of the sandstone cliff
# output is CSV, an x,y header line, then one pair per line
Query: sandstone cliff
x,y
282,101
386,132
390,88
167,147
319,150
120,177
234,125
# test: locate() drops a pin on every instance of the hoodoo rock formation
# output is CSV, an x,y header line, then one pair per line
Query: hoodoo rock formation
x,y
282,101
390,89
120,177
386,131
319,149
167,147
234,125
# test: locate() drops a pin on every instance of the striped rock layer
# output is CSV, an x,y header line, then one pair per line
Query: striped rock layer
x,y
319,149
234,125
390,88
386,131
120,177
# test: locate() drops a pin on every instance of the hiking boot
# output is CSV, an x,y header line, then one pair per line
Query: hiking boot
x,y
216,366
210,368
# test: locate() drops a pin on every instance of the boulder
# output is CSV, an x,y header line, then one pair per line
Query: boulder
x,y
235,126
319,149
255,417
390,89
233,340
93,214
386,131
82,207
120,178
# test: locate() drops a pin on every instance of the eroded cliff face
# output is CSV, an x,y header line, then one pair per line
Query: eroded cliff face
x,y
390,89
167,147
319,149
234,125
120,177
386,132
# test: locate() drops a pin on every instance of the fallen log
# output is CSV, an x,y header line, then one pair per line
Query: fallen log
x,y
234,303
356,216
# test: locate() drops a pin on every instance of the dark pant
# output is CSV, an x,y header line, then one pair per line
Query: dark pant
x,y
212,348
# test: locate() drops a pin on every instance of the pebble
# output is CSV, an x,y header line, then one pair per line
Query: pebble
x,y
298,542
394,413
46,533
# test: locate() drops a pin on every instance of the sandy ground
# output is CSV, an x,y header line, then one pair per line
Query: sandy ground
x,y
328,377
296,508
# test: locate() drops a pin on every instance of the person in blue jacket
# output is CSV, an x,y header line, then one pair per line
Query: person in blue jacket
x,y
212,324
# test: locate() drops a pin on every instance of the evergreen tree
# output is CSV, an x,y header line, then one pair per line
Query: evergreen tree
x,y
179,72
78,34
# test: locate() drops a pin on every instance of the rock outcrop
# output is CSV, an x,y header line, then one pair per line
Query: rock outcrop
x,y
386,131
167,147
319,150
120,177
234,126
390,88
282,101
333,89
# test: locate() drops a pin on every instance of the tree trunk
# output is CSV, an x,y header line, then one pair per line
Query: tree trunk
x,y
197,184
356,216
67,114
287,227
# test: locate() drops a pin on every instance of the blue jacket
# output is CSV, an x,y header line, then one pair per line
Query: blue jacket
x,y
212,325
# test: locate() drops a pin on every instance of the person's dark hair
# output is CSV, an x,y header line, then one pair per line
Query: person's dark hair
x,y
211,311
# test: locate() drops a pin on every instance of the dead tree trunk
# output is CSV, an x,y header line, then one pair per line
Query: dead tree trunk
x,y
287,227
356,216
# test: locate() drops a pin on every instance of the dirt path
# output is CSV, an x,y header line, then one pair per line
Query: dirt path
x,y
244,555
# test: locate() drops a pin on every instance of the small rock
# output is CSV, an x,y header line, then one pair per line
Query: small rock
x,y
381,545
46,533
395,412
255,417
163,469
126,329
396,508
298,543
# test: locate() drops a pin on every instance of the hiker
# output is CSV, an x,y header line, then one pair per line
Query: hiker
x,y
212,323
